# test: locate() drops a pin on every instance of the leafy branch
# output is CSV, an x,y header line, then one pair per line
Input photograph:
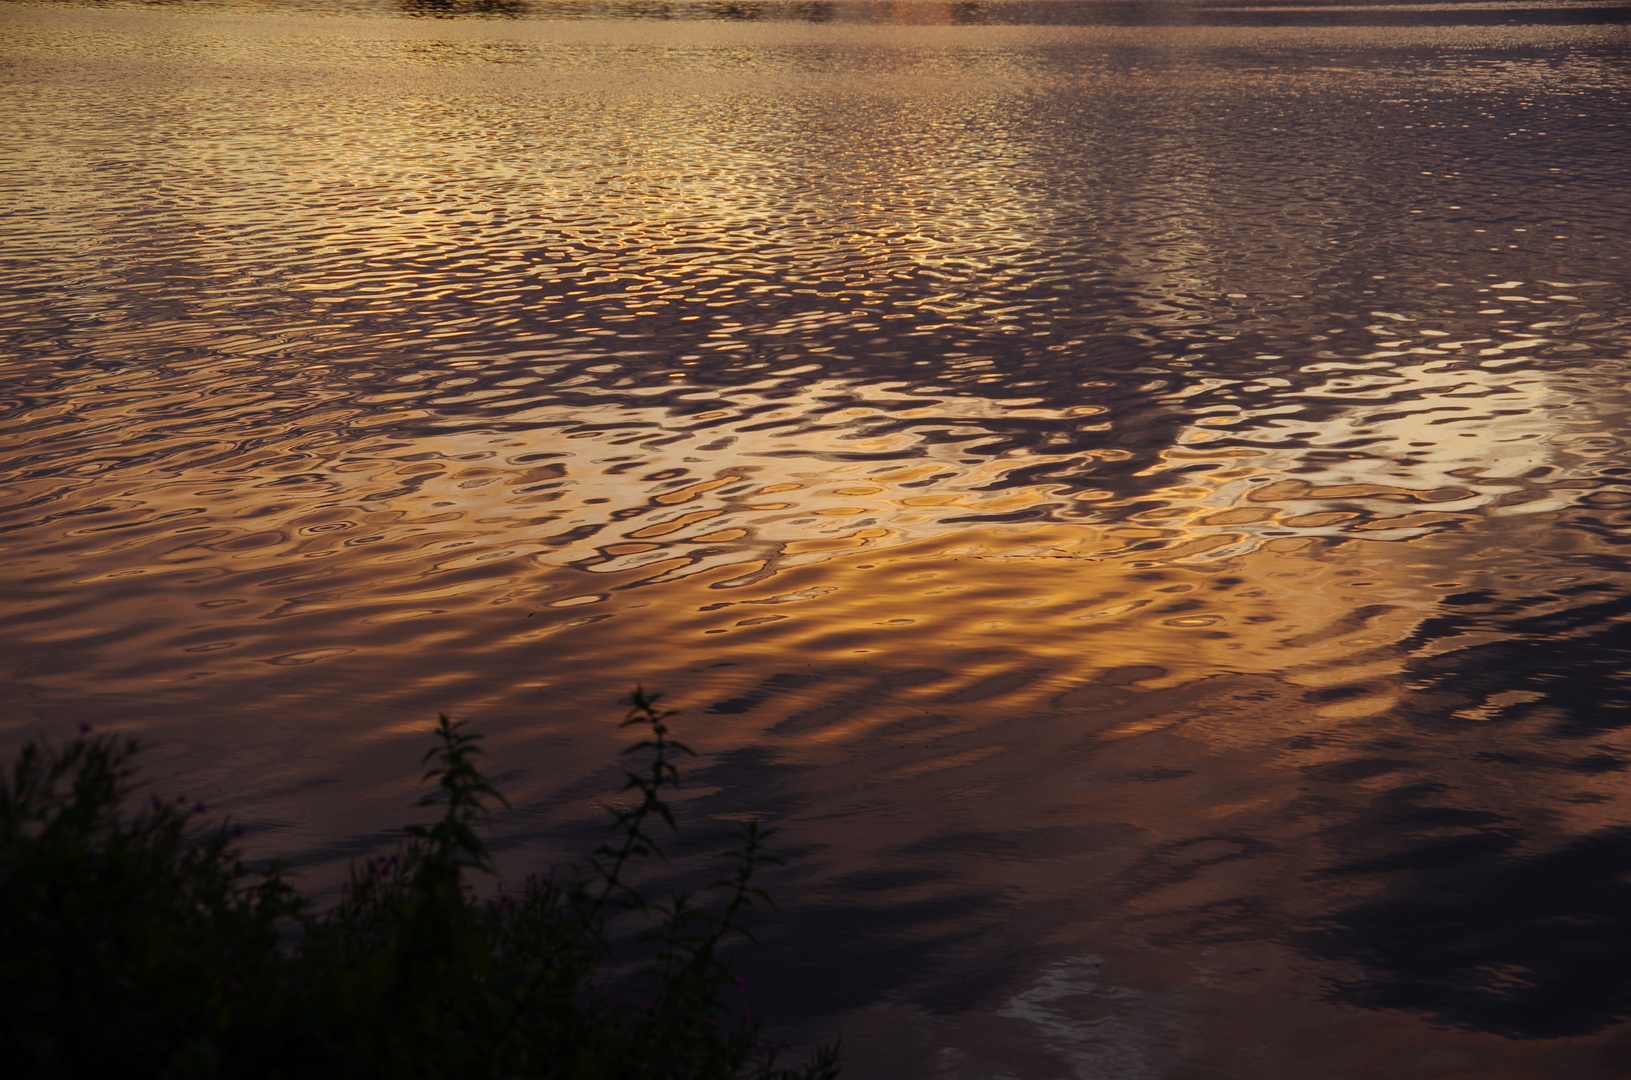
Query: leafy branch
x,y
143,945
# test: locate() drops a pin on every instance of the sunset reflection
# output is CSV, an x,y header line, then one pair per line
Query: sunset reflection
x,y
1136,492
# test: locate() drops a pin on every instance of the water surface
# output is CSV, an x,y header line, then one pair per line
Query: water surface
x,y
1137,492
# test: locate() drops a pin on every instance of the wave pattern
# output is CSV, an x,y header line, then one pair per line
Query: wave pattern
x,y
950,12
1232,423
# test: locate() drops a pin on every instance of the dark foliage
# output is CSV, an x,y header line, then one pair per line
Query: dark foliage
x,y
141,946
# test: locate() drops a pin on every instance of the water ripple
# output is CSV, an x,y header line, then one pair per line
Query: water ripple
x,y
964,410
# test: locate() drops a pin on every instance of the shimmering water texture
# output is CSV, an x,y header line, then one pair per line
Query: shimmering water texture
x,y
1144,507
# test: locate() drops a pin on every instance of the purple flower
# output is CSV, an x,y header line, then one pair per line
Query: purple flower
x,y
237,830
200,808
84,729
740,981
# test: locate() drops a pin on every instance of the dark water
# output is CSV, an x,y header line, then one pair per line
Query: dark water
x,y
1138,492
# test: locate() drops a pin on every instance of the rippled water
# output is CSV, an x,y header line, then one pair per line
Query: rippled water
x,y
1138,492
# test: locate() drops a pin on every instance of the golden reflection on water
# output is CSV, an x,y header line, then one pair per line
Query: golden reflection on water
x,y
1070,436
745,525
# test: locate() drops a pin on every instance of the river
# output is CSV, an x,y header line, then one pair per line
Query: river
x,y
1138,493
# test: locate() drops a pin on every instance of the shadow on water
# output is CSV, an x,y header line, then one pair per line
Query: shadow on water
x,y
1482,938
1489,916
1569,668
912,921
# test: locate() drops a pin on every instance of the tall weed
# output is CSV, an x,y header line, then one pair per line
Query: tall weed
x,y
142,946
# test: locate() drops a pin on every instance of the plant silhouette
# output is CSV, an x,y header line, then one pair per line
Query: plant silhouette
x,y
141,946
